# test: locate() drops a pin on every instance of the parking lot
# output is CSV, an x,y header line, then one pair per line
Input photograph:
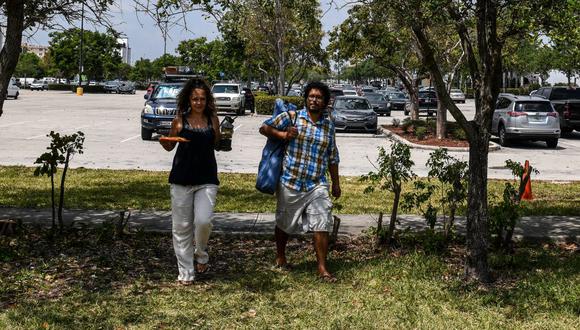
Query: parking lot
x,y
111,124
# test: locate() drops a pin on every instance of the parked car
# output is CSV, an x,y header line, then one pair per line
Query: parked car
x,y
334,92
396,101
159,110
566,101
112,86
264,88
379,103
457,96
249,99
349,92
354,113
126,87
427,103
367,89
525,117
39,85
13,90
229,97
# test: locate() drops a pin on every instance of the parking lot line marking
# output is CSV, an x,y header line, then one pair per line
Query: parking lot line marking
x,y
65,132
13,124
236,128
131,138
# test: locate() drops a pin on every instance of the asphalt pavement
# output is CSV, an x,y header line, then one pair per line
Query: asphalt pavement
x,y
533,228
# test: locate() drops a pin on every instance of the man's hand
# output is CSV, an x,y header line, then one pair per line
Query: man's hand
x,y
291,133
336,192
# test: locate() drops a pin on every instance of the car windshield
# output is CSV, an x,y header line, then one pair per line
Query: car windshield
x,y
533,107
427,94
375,97
349,92
166,92
227,89
456,91
397,96
564,94
352,104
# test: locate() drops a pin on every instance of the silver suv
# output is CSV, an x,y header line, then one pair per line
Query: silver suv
x,y
229,97
525,117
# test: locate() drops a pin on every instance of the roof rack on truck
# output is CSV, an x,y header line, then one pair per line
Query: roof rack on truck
x,y
180,73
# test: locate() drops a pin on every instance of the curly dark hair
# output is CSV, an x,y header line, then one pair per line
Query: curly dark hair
x,y
320,86
183,103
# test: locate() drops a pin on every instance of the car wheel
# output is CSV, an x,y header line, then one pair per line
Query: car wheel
x,y
241,111
406,113
503,140
16,96
146,134
388,114
552,143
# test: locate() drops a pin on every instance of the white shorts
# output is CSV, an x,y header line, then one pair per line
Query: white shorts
x,y
304,211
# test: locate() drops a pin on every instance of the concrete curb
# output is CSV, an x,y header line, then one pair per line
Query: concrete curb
x,y
396,138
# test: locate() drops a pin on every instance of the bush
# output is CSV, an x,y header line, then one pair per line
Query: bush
x,y
265,104
407,123
431,125
89,89
59,87
421,132
458,134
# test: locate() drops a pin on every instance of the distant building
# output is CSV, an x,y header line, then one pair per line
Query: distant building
x,y
125,50
40,51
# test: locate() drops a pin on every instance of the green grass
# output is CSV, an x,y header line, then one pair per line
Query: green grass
x,y
122,189
90,281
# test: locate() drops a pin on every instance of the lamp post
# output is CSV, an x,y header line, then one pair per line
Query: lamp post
x,y
80,87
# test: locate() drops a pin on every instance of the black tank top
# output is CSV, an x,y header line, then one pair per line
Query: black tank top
x,y
194,162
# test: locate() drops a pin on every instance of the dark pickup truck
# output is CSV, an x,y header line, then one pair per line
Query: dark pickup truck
x,y
566,101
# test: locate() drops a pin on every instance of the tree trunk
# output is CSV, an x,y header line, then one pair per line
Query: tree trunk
x,y
52,200
393,220
441,120
61,200
448,225
380,239
280,49
476,266
10,52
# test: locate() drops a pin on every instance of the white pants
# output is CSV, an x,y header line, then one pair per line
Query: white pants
x,y
189,203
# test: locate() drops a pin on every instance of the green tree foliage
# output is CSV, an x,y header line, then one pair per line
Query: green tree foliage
x,y
211,58
101,59
29,65
143,71
284,36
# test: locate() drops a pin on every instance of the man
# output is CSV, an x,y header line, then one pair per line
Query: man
x,y
303,201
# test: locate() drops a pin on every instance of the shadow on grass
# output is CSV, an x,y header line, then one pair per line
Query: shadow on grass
x,y
87,267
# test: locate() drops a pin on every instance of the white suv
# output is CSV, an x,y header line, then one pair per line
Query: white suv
x,y
229,97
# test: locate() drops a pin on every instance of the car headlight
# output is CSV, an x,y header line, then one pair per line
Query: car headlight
x,y
389,105
235,99
148,109
340,117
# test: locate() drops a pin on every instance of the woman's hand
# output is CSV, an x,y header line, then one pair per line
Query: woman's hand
x,y
176,126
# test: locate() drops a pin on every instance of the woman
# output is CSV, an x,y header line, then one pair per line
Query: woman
x,y
193,177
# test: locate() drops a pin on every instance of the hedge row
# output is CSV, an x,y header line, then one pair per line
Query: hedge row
x,y
265,104
515,91
73,88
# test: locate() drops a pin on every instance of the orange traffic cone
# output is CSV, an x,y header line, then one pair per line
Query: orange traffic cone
x,y
527,178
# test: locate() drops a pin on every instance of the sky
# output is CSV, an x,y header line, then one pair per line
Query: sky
x,y
146,41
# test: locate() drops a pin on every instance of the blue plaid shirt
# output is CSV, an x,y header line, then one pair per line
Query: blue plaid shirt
x,y
308,155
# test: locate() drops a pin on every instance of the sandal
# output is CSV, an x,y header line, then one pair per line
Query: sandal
x,y
184,283
201,268
328,278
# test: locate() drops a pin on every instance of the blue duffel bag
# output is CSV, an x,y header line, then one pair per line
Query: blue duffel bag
x,y
270,166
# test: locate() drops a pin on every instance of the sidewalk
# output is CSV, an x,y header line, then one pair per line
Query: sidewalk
x,y
536,228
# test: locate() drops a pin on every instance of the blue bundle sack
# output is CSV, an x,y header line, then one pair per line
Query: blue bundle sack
x,y
270,166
